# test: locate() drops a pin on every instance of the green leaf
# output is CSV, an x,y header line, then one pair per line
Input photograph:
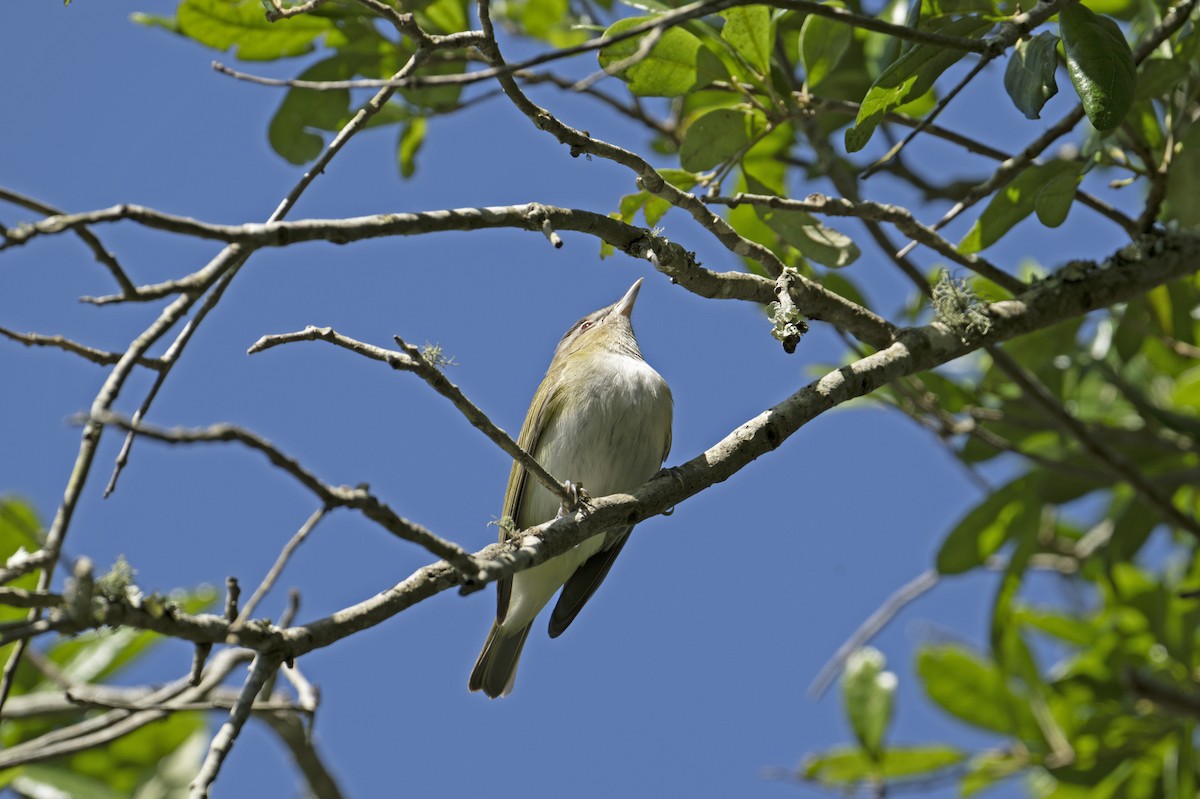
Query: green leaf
x,y
1158,76
987,768
412,136
1029,78
972,689
908,77
748,29
1100,64
867,693
450,16
1048,189
549,20
813,239
718,136
43,779
982,532
305,110
242,24
823,42
1064,627
845,766
1183,201
678,64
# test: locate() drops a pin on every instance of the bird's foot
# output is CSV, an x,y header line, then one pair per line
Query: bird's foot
x,y
578,499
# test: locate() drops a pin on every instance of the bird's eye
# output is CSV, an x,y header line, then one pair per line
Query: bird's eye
x,y
586,325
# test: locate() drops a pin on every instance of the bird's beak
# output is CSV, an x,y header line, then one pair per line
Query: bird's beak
x,y
625,305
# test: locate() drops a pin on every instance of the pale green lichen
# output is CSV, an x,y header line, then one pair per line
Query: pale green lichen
x,y
787,325
956,305
433,354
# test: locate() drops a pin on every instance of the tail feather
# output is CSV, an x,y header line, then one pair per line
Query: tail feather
x,y
496,669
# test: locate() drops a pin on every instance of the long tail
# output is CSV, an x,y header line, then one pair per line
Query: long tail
x,y
496,668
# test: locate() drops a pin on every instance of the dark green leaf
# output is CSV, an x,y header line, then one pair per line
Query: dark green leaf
x,y
823,42
908,77
1100,64
717,137
1029,78
867,693
1046,188
678,64
748,30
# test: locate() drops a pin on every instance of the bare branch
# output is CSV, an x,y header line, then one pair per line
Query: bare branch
x,y
331,496
898,216
261,670
92,354
411,360
107,259
277,568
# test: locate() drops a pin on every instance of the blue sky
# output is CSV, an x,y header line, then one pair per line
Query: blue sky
x,y
687,672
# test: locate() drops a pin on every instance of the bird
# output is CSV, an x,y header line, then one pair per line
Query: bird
x,y
601,421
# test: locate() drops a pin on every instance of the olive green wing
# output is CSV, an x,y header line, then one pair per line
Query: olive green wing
x,y
546,405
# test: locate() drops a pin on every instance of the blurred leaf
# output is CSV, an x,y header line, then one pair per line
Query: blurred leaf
x,y
1159,76
748,29
972,689
1100,64
20,530
243,25
412,136
984,529
133,760
450,16
823,42
987,768
908,77
867,693
719,136
845,766
1183,201
678,64
1047,188
46,780
1029,78
1063,626
552,21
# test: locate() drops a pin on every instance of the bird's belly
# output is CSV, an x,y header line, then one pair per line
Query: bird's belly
x,y
609,440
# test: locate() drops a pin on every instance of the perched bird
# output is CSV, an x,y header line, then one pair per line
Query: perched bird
x,y
601,419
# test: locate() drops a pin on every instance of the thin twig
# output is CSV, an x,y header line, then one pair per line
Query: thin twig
x,y
1113,459
102,357
168,360
900,598
411,360
332,496
277,568
107,259
898,216
262,668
